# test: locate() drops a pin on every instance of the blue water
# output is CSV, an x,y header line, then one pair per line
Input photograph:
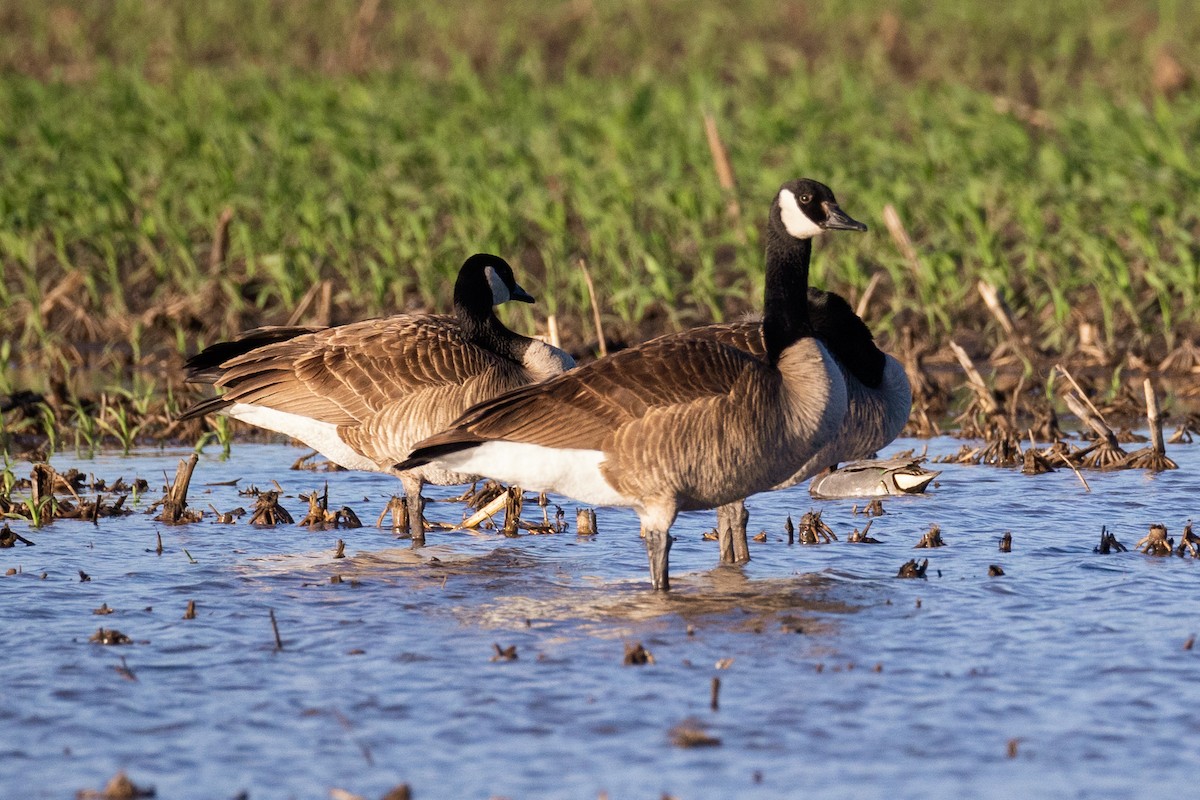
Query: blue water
x,y
840,680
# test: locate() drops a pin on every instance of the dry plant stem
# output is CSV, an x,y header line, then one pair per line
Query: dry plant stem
x,y
492,508
868,293
724,171
1107,454
175,503
220,241
978,385
591,287
585,522
552,331
359,47
891,218
325,290
1066,374
1154,418
275,628
1075,469
1154,457
991,299
514,499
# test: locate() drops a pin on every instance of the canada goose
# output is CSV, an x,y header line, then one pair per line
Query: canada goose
x,y
679,424
878,398
362,394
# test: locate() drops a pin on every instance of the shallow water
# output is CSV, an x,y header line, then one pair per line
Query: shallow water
x,y
844,681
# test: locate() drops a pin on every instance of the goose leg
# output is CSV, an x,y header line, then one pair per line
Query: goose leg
x,y
658,546
725,533
739,517
416,509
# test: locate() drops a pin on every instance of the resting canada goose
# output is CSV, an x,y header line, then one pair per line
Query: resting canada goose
x,y
878,398
362,394
674,425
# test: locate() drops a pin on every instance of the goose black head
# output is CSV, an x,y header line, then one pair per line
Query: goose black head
x,y
806,208
486,280
846,336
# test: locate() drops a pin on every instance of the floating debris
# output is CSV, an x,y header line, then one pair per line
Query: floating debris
x,y
585,522
309,463
398,507
124,671
103,610
932,538
861,537
190,613
477,498
9,538
228,517
514,501
813,529
1187,430
911,569
1156,543
119,788
636,655
505,653
691,733
1189,542
109,636
995,571
1006,542
1108,543
268,512
1035,463
174,501
319,517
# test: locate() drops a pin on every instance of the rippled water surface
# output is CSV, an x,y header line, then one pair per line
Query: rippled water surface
x,y
839,679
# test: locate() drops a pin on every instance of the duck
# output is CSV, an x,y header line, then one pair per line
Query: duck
x,y
873,478
878,397
362,394
678,424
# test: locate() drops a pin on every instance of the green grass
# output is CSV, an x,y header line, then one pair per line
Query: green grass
x,y
1030,146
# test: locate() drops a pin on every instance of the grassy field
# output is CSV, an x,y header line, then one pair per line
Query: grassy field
x,y
1048,148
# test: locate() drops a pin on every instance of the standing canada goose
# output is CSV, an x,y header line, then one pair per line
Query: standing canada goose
x,y
362,394
878,398
674,425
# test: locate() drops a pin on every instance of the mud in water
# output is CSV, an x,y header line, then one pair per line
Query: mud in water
x,y
482,665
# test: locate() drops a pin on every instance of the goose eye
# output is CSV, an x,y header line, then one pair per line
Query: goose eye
x,y
806,198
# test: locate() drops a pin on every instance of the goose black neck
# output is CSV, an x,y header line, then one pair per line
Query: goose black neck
x,y
785,306
482,327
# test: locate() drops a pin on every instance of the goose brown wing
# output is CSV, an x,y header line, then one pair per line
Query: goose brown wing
x,y
745,336
342,375
580,409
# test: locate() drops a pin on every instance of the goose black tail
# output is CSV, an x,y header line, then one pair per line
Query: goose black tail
x,y
437,446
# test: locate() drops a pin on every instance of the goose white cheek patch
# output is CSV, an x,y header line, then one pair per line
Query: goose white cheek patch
x,y
500,293
795,220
